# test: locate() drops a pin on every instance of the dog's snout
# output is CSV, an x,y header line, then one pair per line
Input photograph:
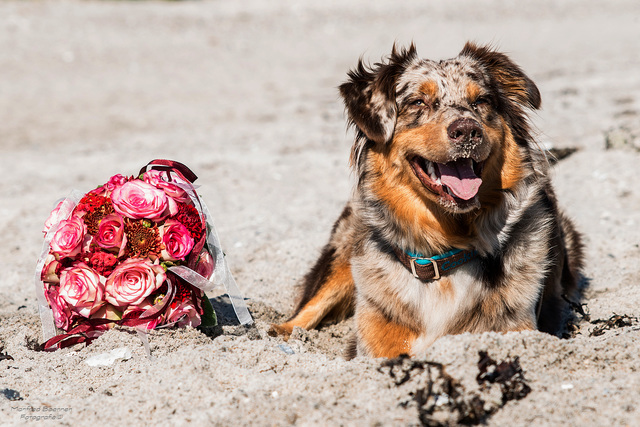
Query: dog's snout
x,y
465,131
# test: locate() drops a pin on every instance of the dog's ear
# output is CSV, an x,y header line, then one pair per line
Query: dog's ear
x,y
511,80
370,94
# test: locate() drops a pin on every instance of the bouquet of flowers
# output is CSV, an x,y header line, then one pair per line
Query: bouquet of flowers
x,y
136,251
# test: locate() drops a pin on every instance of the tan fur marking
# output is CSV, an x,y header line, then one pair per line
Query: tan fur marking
x,y
512,170
473,91
428,139
524,326
493,306
429,88
503,170
446,287
383,338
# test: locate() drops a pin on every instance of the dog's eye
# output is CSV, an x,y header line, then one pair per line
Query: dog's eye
x,y
418,103
482,101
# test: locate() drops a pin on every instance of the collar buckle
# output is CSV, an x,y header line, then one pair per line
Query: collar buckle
x,y
436,271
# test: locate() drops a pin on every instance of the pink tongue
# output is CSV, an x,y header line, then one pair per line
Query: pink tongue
x,y
460,178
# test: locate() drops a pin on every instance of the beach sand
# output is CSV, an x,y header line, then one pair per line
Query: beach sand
x,y
245,94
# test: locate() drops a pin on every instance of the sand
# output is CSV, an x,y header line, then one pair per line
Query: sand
x,y
245,94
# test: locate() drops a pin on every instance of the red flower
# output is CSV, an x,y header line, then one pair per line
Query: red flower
x,y
190,218
183,293
186,293
103,262
93,208
91,202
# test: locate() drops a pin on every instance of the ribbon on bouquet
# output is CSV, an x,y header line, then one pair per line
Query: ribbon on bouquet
x,y
222,277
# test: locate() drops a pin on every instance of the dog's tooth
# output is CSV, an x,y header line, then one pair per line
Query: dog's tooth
x,y
432,172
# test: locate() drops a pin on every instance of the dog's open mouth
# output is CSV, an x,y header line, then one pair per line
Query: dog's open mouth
x,y
457,181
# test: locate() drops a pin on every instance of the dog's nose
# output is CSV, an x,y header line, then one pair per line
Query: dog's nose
x,y
465,131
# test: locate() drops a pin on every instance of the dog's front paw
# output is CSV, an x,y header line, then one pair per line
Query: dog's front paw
x,y
283,330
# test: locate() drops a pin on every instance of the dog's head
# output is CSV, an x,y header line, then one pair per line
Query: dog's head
x,y
450,135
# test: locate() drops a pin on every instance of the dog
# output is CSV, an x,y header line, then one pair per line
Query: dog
x,y
453,225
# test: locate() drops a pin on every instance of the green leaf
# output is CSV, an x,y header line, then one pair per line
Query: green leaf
x,y
209,318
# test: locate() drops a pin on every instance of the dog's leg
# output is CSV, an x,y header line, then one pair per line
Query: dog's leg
x,y
379,336
328,289
563,280
574,263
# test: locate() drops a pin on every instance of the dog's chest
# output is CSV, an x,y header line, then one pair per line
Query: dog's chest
x,y
438,304
430,307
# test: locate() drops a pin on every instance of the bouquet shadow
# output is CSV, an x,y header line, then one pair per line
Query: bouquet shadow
x,y
227,321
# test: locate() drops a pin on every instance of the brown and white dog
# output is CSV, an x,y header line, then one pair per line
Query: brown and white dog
x,y
453,225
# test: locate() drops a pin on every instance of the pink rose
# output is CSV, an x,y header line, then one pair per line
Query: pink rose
x,y
183,314
136,199
114,182
62,314
81,288
106,189
51,270
132,281
160,179
177,240
99,191
205,264
67,240
54,217
111,233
